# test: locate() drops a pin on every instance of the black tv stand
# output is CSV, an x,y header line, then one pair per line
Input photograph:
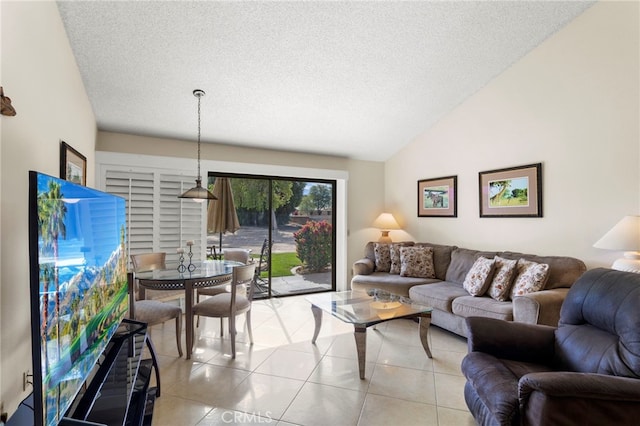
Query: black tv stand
x,y
119,392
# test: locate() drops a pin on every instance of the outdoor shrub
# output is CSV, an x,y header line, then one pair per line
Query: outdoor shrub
x,y
313,244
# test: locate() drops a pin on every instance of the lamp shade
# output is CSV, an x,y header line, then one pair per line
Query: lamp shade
x,y
385,222
624,236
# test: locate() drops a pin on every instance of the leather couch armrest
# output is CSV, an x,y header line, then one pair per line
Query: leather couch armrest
x,y
578,398
363,267
511,340
540,307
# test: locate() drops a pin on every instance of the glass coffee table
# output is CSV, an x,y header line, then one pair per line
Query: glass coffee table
x,y
366,309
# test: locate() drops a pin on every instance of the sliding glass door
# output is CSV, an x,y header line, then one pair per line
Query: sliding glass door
x,y
286,223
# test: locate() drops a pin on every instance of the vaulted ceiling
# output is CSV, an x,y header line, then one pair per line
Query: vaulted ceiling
x,y
351,78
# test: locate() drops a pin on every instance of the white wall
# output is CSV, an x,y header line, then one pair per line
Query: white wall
x,y
40,76
572,104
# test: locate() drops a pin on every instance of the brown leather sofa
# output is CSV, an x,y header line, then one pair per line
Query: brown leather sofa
x,y
584,372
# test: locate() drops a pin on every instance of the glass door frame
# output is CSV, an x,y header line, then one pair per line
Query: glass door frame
x,y
270,179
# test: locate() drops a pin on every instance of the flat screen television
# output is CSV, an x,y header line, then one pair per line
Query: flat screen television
x,y
78,281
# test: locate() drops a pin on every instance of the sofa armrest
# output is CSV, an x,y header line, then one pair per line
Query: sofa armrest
x,y
540,307
511,340
363,267
578,398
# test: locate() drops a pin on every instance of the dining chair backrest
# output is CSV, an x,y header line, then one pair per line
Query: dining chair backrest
x,y
237,255
149,261
243,277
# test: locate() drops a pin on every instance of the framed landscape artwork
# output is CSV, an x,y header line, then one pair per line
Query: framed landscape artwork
x,y
512,192
438,197
73,165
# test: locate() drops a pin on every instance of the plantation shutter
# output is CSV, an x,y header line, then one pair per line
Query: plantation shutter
x,y
157,220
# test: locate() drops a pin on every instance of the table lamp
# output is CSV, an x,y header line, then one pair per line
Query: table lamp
x,y
624,236
385,222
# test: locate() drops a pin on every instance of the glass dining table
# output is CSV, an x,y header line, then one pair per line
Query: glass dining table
x,y
206,274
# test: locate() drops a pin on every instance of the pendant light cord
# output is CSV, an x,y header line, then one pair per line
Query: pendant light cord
x,y
199,95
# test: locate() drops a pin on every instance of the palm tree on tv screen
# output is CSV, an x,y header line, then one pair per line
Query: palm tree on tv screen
x,y
51,214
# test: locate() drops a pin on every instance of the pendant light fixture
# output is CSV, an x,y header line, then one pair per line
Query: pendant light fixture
x,y
198,193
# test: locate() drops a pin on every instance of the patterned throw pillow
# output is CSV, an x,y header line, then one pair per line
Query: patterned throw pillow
x,y
531,277
383,257
417,261
500,287
479,276
395,258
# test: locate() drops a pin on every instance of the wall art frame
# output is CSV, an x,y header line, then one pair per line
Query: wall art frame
x,y
438,197
511,192
73,165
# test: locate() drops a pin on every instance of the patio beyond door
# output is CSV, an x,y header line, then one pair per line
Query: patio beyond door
x,y
288,226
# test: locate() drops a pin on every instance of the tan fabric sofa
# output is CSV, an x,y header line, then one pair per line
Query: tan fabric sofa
x,y
451,303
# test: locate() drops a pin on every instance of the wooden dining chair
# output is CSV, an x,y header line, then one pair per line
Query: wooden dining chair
x,y
154,311
233,303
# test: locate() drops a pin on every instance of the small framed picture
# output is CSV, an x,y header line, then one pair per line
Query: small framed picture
x,y
73,165
438,197
512,192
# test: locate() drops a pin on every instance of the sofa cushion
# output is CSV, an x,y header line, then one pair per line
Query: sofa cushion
x,y
369,249
417,262
396,264
563,270
500,287
441,258
439,295
479,276
470,306
461,261
394,284
531,277
383,257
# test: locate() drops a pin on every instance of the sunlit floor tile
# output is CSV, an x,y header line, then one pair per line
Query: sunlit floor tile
x,y
321,405
342,373
172,410
451,417
222,416
404,356
207,384
448,390
291,364
403,383
263,395
384,411
447,362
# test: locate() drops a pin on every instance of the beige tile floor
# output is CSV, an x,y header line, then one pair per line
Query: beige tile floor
x,y
283,379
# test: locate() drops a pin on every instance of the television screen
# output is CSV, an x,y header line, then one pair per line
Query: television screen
x,y
79,291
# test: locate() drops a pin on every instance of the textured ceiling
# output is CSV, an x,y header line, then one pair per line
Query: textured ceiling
x,y
355,79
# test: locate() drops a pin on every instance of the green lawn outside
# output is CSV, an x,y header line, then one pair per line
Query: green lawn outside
x,y
282,263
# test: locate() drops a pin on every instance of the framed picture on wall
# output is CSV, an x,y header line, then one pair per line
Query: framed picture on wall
x,y
73,165
438,197
512,192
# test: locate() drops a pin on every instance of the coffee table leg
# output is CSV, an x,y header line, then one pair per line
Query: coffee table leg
x,y
317,316
360,334
425,322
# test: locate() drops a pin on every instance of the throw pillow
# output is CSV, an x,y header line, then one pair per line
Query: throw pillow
x,y
416,261
395,258
383,257
531,277
500,287
479,276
